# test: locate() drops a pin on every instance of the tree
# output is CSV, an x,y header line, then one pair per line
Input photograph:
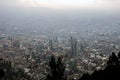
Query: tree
x,y
113,59
61,68
85,77
2,74
57,69
111,72
119,55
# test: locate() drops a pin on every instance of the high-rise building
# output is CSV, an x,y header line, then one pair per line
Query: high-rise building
x,y
51,44
73,47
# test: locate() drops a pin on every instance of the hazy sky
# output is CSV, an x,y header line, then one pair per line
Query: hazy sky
x,y
64,4
51,13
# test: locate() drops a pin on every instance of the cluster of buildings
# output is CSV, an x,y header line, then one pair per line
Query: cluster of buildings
x,y
32,54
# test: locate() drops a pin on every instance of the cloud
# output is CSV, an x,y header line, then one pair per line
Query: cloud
x,y
9,2
109,4
98,4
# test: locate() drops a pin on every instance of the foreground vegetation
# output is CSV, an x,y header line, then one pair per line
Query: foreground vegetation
x,y
57,70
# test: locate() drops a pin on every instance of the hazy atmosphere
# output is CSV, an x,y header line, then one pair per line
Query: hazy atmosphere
x,y
64,4
59,39
58,14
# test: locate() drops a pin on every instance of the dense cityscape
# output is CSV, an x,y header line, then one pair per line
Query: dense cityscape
x,y
32,54
59,39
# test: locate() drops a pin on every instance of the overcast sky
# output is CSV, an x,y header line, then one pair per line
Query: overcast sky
x,y
64,4
58,13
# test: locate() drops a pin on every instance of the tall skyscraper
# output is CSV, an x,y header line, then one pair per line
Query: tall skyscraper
x,y
51,44
73,47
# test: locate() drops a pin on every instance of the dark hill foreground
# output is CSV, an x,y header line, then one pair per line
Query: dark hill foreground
x,y
111,72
